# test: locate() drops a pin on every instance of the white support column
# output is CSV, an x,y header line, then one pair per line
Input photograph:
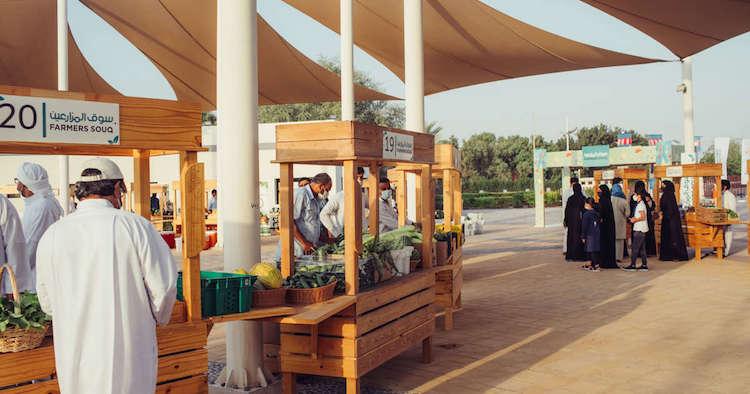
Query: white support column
x,y
414,81
237,103
347,61
687,107
63,162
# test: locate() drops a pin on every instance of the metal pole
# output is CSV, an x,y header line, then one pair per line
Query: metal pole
x,y
414,80
687,108
347,61
237,103
63,163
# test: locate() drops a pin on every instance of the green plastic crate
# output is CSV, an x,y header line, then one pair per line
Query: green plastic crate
x,y
223,293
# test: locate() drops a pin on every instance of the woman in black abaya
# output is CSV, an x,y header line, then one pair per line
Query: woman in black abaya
x,y
607,245
672,243
572,220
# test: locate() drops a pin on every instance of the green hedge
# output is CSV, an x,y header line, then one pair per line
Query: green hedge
x,y
506,200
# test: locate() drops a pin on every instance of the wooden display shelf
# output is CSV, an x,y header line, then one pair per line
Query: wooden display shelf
x,y
147,127
626,173
255,314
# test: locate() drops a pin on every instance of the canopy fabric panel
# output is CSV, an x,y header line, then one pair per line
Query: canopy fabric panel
x,y
180,39
465,42
685,27
28,50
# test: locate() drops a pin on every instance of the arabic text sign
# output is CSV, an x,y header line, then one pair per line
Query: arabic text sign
x,y
398,146
608,174
674,172
39,119
596,156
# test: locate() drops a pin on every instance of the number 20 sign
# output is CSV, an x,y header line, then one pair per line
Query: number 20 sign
x,y
39,119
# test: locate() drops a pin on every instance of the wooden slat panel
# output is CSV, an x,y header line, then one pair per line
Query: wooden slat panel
x,y
390,292
317,130
194,385
378,317
26,366
48,387
175,338
322,366
316,313
334,326
382,335
395,347
179,313
182,365
327,346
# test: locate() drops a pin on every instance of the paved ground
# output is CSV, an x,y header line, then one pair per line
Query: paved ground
x,y
533,323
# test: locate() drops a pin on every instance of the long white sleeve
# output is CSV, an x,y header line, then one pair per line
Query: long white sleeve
x,y
44,277
13,247
159,273
329,215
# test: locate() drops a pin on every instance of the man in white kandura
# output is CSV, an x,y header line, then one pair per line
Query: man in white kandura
x,y
332,214
388,217
41,209
107,278
729,201
13,247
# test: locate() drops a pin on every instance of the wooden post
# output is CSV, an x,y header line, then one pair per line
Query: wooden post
x,y
401,197
447,198
374,199
193,230
418,208
717,193
458,198
696,191
286,218
352,227
352,386
289,383
428,217
142,183
678,188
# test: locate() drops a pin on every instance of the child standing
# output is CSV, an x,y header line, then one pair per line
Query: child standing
x,y
640,228
591,233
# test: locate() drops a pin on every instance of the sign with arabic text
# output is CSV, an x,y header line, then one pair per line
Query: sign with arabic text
x,y
398,146
596,156
674,172
608,174
48,120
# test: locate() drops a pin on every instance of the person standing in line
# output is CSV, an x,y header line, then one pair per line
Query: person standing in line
x,y
573,215
566,193
622,213
212,202
672,242
640,229
607,245
591,234
41,209
107,278
729,201
13,247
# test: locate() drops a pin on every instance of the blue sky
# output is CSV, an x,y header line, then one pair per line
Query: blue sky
x,y
638,97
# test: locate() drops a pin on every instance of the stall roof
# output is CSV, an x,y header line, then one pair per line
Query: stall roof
x,y
180,39
28,50
465,42
685,27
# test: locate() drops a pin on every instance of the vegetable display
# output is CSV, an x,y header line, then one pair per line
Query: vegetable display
x,y
25,314
309,279
267,274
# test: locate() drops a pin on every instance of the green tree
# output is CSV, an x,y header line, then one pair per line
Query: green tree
x,y
515,152
450,140
433,128
734,157
478,155
374,112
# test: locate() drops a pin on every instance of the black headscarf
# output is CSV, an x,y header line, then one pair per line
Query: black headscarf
x,y
607,213
573,210
672,243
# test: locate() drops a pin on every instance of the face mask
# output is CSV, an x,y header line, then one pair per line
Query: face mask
x,y
386,194
323,195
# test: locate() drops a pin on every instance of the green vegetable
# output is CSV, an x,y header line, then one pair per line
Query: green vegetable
x,y
26,313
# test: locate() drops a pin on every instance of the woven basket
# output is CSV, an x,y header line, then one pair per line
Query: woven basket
x,y
310,296
269,298
15,340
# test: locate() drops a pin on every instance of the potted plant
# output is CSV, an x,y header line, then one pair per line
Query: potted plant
x,y
441,247
23,323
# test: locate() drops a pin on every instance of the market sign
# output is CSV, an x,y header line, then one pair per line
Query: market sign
x,y
48,120
570,158
608,174
627,155
596,156
674,172
398,146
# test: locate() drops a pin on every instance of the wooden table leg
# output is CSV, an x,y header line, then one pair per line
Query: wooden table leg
x,y
314,341
352,386
288,383
427,350
448,323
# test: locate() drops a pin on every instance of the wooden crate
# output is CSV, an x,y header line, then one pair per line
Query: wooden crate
x,y
383,323
712,215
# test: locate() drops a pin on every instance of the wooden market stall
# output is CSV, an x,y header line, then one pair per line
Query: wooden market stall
x,y
629,175
211,218
162,193
354,333
448,273
703,226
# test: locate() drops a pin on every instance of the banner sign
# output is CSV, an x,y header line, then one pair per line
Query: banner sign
x,y
698,147
48,120
608,175
674,172
570,158
624,155
654,139
664,152
624,139
398,146
721,151
745,158
596,156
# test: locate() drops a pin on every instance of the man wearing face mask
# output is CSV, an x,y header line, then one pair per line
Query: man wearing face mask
x,y
107,278
332,214
41,210
307,206
388,218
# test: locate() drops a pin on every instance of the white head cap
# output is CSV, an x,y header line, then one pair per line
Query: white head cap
x,y
107,167
34,177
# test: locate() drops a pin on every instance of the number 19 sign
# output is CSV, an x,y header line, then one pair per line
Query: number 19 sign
x,y
398,146
39,119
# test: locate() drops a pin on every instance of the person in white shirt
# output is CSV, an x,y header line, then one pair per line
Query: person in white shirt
x,y
640,228
13,247
41,209
729,202
107,278
565,196
332,214
388,217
